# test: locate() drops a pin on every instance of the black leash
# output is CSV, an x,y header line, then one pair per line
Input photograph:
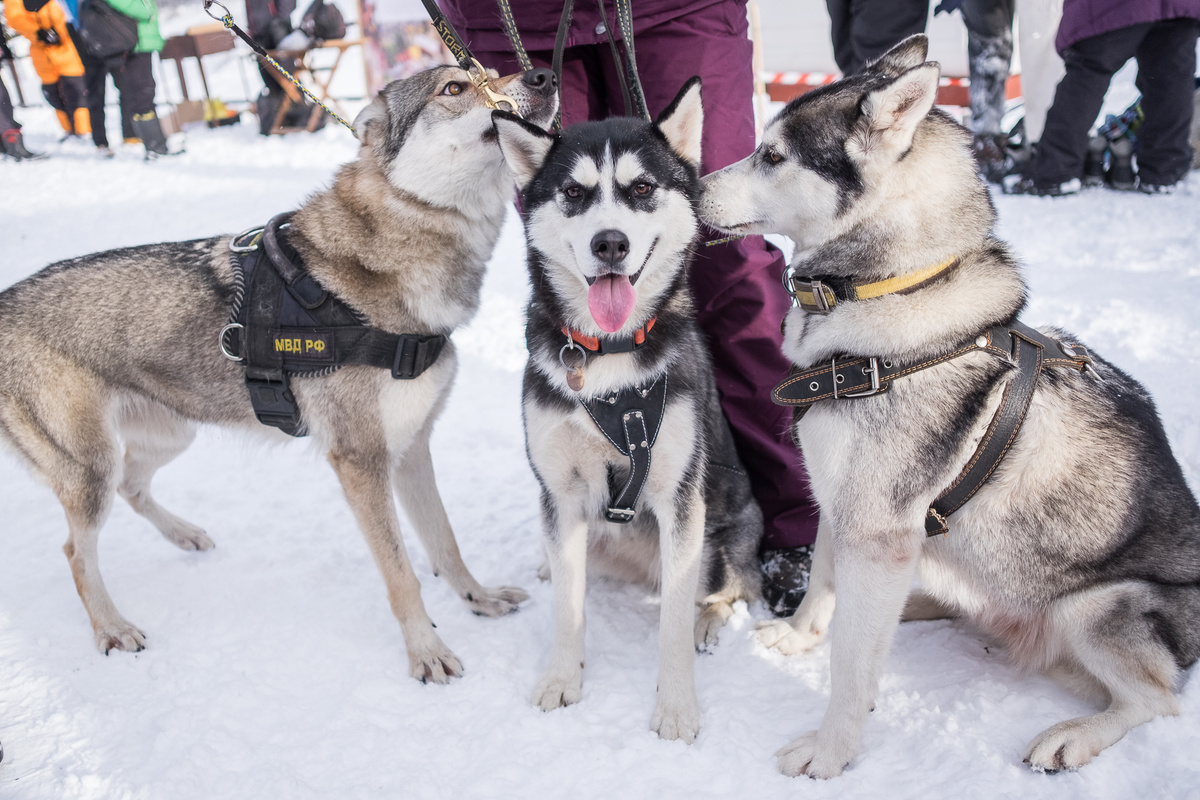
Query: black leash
x,y
227,20
468,62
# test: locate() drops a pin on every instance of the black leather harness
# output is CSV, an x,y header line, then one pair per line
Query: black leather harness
x,y
630,419
284,323
1028,349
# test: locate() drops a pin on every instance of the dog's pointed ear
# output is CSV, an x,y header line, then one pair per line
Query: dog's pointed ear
x,y
890,115
682,122
524,145
910,53
370,125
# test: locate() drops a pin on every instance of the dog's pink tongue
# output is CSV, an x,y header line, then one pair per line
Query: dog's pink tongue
x,y
611,299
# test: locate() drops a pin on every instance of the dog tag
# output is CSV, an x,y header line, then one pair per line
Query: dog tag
x,y
575,379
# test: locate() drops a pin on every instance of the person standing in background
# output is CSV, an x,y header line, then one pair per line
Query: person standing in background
x,y
55,59
133,76
1095,39
736,288
863,30
11,143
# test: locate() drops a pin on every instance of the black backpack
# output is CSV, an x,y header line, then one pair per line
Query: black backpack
x,y
106,32
323,21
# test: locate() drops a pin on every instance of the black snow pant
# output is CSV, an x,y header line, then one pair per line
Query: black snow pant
x,y
866,29
990,49
1166,58
134,80
7,122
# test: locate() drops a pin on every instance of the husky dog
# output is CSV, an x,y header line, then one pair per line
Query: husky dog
x,y
610,221
118,350
1081,553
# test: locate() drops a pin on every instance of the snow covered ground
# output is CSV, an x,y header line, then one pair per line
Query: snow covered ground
x,y
275,668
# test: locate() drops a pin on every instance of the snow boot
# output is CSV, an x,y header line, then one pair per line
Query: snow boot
x,y
785,578
149,130
1093,166
1120,169
11,144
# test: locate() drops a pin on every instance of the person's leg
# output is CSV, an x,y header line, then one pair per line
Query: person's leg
x,y
739,300
137,92
1090,65
73,91
7,121
878,25
839,34
989,51
95,77
1166,65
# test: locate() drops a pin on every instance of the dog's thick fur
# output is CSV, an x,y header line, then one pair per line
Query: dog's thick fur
x,y
697,527
120,349
1081,554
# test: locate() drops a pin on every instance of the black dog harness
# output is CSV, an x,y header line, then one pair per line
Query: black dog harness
x,y
629,419
853,378
283,323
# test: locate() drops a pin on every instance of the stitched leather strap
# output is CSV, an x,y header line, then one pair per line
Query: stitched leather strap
x,y
998,438
630,420
820,294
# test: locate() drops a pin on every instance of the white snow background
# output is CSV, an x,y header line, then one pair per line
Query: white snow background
x,y
274,667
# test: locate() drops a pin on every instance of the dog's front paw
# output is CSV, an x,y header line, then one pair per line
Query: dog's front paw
x,y
804,756
120,635
778,634
433,662
1067,745
676,720
555,691
496,602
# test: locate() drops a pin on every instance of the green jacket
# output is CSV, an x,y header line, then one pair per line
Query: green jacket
x,y
146,14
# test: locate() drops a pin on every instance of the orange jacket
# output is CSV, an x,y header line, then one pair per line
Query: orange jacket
x,y
50,61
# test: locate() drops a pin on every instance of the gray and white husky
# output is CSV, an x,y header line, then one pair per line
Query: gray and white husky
x,y
1081,553
610,222
109,361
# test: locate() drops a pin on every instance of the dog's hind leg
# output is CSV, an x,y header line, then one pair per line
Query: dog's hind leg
x,y
153,436
874,573
681,540
808,625
364,478
922,606
67,438
565,539
418,492
1126,636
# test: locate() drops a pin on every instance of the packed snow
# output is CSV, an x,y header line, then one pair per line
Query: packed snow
x,y
275,668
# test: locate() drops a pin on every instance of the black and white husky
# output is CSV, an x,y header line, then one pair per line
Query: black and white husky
x,y
1081,552
622,422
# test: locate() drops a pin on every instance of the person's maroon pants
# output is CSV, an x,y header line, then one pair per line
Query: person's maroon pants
x,y
740,301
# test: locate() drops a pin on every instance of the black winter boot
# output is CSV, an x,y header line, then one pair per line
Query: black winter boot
x,y
1120,169
149,130
11,144
1093,165
785,578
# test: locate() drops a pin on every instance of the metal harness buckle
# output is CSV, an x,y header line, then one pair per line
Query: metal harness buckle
x,y
872,370
819,300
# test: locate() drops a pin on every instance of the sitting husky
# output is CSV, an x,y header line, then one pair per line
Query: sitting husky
x,y
121,348
1080,552
622,421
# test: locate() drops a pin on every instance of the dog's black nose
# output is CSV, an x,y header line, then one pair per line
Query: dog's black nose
x,y
610,247
542,80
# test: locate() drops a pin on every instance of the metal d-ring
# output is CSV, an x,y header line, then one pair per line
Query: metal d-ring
x,y
571,345
221,340
245,248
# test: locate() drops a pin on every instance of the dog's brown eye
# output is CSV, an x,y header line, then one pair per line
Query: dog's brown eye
x,y
453,88
574,191
641,188
774,157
